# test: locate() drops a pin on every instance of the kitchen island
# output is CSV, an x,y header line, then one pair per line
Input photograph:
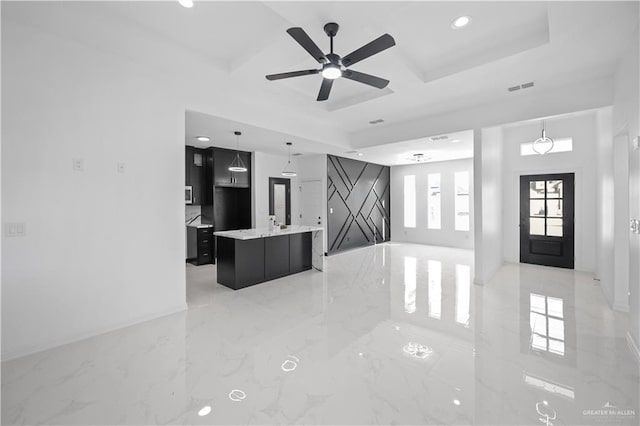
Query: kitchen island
x,y
252,256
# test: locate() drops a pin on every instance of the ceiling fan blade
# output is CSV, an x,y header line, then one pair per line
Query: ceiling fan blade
x,y
325,89
383,42
290,74
305,41
369,79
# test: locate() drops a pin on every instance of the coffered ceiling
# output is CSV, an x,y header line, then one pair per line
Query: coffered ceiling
x,y
228,47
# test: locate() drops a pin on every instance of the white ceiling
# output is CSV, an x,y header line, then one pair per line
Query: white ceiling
x,y
452,146
433,69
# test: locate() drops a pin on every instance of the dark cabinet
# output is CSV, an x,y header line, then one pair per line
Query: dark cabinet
x,y
200,245
195,175
222,159
242,263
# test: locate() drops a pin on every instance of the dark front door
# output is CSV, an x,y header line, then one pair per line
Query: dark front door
x,y
546,220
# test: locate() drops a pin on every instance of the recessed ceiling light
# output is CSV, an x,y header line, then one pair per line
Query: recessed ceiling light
x,y
454,140
360,154
203,138
456,402
186,3
460,22
204,411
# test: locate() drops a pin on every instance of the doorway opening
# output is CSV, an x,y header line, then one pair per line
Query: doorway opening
x,y
547,225
280,199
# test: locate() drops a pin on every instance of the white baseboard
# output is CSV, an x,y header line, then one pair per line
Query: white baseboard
x,y
633,346
30,350
620,307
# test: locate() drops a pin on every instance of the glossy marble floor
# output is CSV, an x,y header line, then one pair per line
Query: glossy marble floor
x,y
392,334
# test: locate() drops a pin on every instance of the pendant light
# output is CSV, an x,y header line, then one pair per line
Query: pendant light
x,y
543,145
237,165
288,171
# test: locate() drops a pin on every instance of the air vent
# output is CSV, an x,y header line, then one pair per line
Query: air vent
x,y
439,138
351,152
521,86
297,154
378,121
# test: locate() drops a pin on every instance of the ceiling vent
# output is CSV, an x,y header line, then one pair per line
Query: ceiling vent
x,y
521,86
378,121
297,154
439,138
351,152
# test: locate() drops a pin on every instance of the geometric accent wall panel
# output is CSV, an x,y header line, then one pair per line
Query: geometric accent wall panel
x,y
358,203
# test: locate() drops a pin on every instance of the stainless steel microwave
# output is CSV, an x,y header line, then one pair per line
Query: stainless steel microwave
x,y
188,195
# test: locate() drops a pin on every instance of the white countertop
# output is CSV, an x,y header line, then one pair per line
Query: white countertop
x,y
249,234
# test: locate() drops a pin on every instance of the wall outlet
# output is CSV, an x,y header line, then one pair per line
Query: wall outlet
x,y
78,164
122,167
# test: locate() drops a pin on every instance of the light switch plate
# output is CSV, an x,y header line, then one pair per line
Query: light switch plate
x,y
78,165
635,143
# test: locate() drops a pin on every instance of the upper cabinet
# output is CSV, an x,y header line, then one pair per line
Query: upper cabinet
x,y
207,168
222,159
198,164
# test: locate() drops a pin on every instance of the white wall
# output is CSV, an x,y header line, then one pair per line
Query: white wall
x,y
626,120
581,161
447,235
488,192
605,204
265,166
102,249
314,167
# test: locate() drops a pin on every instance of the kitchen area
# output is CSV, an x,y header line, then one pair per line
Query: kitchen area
x,y
244,223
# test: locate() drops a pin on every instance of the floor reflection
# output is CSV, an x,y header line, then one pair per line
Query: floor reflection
x,y
389,334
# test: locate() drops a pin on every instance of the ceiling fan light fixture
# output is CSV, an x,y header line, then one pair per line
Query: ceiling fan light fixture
x,y
460,22
331,71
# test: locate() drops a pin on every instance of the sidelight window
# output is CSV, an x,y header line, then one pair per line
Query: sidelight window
x,y
433,201
410,201
546,208
462,201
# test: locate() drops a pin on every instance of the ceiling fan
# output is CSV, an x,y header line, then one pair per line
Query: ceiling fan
x,y
334,66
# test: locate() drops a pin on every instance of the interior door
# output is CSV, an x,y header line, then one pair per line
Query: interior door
x,y
547,220
280,199
311,205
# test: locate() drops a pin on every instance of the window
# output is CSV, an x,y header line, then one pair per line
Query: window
x,y
410,201
410,284
545,208
433,201
462,201
463,294
559,145
546,318
435,289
